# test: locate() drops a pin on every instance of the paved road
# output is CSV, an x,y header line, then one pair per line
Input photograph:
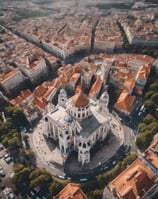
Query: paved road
x,y
129,138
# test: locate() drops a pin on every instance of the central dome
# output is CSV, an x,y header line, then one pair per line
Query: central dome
x,y
80,100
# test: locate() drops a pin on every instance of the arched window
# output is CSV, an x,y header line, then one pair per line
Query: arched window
x,y
84,145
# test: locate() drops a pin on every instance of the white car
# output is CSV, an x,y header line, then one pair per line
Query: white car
x,y
1,146
114,162
6,155
2,172
32,193
8,159
11,196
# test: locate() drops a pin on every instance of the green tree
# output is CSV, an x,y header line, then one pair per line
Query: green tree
x,y
113,93
21,177
105,178
142,127
154,98
16,113
27,154
149,94
55,188
40,178
97,194
5,140
18,167
25,138
150,106
14,145
148,119
153,127
5,127
143,140
154,87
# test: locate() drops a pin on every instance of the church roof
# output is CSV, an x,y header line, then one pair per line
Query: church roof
x,y
80,100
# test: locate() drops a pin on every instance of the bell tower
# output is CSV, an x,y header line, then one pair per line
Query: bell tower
x,y
62,98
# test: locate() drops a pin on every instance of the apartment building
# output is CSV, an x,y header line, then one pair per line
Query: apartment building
x,y
36,69
139,180
12,81
140,28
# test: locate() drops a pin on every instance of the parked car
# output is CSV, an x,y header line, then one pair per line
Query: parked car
x,y
7,158
6,155
127,149
2,172
32,193
8,192
1,146
37,190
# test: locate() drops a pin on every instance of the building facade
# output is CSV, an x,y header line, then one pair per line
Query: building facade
x,y
12,81
78,123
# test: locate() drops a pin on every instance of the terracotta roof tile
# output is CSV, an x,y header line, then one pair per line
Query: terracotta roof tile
x,y
8,75
23,96
71,191
151,154
129,84
96,87
40,90
80,100
134,181
144,72
124,102
75,77
39,102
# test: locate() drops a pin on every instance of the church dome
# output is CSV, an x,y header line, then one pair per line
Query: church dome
x,y
80,100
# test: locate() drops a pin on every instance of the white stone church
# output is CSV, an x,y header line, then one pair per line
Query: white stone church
x,y
78,123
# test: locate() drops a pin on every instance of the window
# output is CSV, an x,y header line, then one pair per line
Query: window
x,y
84,145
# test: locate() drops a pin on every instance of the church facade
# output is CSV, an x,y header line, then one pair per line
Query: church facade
x,y
78,123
